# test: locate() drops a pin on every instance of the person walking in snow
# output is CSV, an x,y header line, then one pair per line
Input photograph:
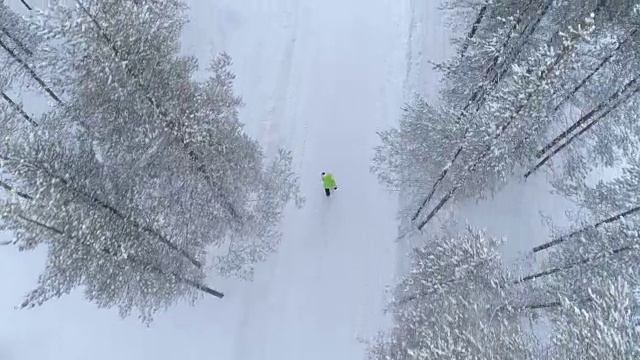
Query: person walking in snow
x,y
328,182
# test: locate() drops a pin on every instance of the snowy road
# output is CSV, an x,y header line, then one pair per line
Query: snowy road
x,y
338,80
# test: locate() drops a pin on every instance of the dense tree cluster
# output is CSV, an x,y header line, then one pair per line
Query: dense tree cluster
x,y
136,171
532,81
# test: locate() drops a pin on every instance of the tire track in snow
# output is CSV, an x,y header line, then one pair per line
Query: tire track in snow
x,y
399,61
298,126
329,294
279,107
404,244
260,294
350,99
409,51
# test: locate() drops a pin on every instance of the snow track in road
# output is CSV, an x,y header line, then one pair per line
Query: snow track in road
x,y
338,81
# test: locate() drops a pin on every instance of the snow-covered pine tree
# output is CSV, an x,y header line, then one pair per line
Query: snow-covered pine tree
x,y
605,327
601,173
588,269
458,301
492,113
606,244
453,304
599,101
142,170
15,32
18,44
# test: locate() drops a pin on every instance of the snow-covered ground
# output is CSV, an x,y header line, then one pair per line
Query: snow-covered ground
x,y
319,78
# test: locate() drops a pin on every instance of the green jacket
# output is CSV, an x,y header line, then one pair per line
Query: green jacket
x,y
328,181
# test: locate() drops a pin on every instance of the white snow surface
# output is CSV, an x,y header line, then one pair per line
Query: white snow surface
x,y
319,78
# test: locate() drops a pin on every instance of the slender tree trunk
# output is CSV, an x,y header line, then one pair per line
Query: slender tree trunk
x,y
443,174
13,190
18,108
202,288
19,43
541,306
439,206
548,305
530,29
474,29
31,72
558,269
628,89
26,5
564,238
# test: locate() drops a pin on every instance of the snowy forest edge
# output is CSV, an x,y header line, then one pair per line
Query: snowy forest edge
x,y
536,88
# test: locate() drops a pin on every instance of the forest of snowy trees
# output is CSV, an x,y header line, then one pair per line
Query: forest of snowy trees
x,y
535,86
135,173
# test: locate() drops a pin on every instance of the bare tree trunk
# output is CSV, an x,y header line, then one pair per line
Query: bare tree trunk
x,y
474,29
585,118
548,305
541,306
19,43
439,206
18,108
603,63
12,189
575,264
201,287
443,174
26,5
564,238
526,34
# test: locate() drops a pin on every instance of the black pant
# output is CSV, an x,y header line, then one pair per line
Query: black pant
x,y
327,191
